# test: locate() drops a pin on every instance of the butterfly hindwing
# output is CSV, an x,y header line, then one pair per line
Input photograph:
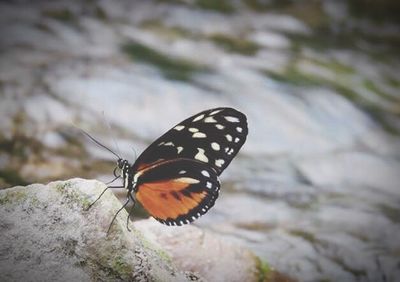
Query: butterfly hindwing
x,y
178,191
213,137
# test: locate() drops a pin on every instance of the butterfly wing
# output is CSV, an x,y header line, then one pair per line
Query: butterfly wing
x,y
213,137
178,191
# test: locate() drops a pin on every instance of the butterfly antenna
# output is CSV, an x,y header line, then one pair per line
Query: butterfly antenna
x,y
98,143
110,131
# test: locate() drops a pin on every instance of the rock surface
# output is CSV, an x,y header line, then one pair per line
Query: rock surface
x,y
47,235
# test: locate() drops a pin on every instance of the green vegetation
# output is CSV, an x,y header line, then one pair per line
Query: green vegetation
x,y
304,235
370,85
390,212
149,246
100,14
222,6
172,68
235,45
339,84
169,32
120,266
264,270
12,196
63,15
72,195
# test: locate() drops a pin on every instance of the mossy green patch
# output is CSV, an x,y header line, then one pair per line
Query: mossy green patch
x,y
235,45
62,15
149,246
296,78
172,68
258,5
100,13
222,6
120,266
393,82
335,66
304,235
370,85
72,195
292,76
390,212
264,270
164,31
12,196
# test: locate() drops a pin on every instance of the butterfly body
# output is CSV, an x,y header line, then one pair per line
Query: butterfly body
x,y
176,177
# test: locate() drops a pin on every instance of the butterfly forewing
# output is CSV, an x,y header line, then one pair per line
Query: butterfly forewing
x,y
213,137
177,191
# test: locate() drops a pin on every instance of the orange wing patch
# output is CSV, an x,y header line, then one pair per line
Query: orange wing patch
x,y
170,199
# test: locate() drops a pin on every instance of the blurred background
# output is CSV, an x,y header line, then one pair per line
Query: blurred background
x,y
314,191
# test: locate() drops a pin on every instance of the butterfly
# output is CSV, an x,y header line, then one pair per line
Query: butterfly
x,y
176,178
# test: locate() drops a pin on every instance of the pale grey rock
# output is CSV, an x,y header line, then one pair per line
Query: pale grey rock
x,y
353,168
48,236
212,256
270,39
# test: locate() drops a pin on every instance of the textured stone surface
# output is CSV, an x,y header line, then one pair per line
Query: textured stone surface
x,y
46,235
210,255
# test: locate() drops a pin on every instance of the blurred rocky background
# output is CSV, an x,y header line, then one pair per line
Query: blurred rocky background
x,y
315,190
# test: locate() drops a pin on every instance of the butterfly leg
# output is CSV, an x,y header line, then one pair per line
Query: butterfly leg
x,y
101,194
115,216
115,176
130,212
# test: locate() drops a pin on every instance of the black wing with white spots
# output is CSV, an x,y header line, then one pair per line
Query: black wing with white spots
x,y
213,137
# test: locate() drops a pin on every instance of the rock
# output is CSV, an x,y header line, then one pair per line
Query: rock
x,y
47,235
211,256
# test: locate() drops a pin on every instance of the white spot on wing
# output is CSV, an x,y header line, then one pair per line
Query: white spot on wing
x,y
219,126
215,112
198,118
205,173
200,155
169,144
179,149
192,129
215,146
209,120
199,135
209,185
187,180
239,129
228,137
179,127
237,140
219,162
182,172
231,119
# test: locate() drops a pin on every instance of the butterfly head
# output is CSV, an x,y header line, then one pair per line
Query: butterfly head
x,y
123,165
120,163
